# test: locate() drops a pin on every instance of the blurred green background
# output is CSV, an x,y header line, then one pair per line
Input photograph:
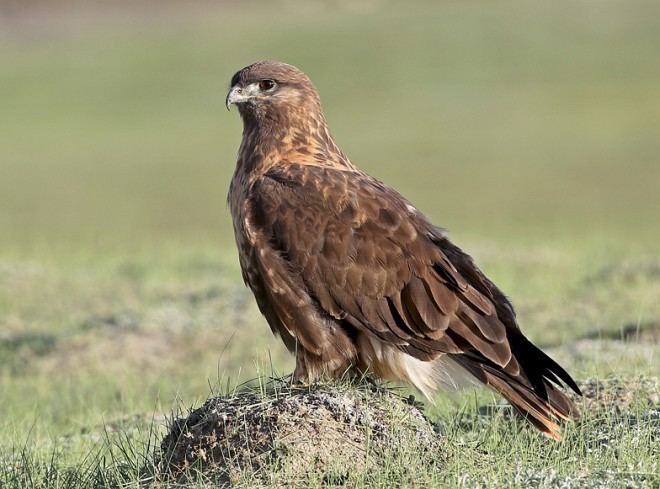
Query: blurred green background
x,y
504,120
531,130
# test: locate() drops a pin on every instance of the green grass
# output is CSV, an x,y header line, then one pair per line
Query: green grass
x,y
530,130
133,338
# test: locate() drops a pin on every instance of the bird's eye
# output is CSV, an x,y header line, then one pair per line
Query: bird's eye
x,y
265,85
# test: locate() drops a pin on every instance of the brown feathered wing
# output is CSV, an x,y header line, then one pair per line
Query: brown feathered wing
x,y
366,257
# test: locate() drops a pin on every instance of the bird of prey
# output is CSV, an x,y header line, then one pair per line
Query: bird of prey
x,y
353,277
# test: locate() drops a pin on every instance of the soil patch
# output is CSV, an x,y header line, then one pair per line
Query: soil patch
x,y
618,394
288,434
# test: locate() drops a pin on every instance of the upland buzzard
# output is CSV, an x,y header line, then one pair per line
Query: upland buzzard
x,y
353,277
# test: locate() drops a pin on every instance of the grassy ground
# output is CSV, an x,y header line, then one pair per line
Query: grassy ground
x,y
531,131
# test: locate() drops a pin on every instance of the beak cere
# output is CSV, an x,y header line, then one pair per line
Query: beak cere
x,y
239,95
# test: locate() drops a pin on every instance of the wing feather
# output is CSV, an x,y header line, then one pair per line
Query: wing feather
x,y
366,258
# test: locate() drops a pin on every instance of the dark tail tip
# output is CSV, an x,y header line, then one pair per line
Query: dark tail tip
x,y
533,396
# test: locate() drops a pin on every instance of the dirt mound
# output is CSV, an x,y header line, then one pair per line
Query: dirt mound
x,y
287,434
618,394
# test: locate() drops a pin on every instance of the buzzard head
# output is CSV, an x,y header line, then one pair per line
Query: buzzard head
x,y
266,90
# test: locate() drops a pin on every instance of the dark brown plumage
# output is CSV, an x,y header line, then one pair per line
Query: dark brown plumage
x,y
353,277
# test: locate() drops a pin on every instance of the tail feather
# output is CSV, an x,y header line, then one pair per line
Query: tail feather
x,y
538,365
533,391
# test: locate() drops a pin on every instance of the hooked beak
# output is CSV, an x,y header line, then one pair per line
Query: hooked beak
x,y
238,95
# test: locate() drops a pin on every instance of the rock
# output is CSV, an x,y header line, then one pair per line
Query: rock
x,y
288,433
